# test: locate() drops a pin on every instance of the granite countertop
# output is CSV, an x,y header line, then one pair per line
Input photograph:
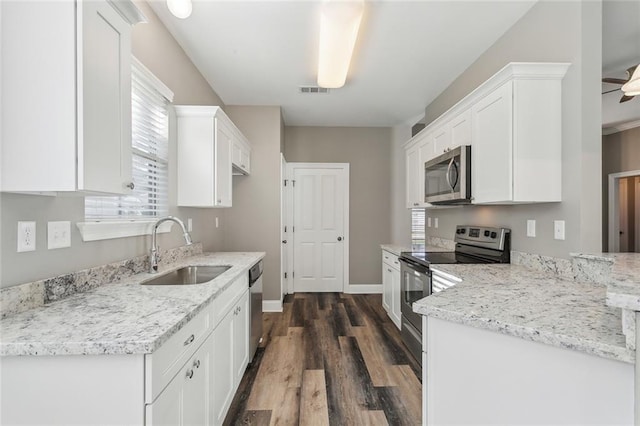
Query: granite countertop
x,y
119,318
532,305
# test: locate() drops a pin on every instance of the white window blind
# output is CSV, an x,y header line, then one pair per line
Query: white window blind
x,y
149,142
418,227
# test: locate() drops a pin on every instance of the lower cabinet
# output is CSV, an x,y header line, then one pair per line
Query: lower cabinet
x,y
186,400
231,355
391,287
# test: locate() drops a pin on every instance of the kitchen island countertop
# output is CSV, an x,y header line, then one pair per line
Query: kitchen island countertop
x,y
532,305
123,317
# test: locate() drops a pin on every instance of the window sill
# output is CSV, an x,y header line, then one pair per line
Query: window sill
x,y
96,231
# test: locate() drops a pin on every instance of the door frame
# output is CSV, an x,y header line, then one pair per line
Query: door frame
x,y
614,206
345,167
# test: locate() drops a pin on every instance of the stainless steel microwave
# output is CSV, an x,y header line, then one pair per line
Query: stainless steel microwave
x,y
447,178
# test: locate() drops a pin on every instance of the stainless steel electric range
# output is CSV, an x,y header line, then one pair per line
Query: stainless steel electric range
x,y
474,244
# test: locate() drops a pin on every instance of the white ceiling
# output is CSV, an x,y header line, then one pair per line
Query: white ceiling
x,y
407,53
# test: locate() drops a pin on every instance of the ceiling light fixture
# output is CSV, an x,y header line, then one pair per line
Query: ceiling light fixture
x,y
339,24
180,8
632,87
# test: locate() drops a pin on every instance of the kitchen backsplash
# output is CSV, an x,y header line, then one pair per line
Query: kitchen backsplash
x,y
31,295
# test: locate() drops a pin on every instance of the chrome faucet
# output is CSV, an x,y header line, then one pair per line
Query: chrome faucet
x,y
154,257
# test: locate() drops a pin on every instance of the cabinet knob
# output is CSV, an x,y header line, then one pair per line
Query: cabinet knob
x,y
189,340
284,241
219,201
196,363
189,373
339,238
130,185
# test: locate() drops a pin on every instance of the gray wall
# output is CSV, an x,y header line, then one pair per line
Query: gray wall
x,y
400,216
549,32
156,49
368,151
620,153
253,223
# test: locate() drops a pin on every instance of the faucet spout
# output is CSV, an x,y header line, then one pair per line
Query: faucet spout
x,y
154,258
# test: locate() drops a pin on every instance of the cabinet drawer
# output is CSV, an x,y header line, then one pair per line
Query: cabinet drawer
x,y
162,365
223,303
390,259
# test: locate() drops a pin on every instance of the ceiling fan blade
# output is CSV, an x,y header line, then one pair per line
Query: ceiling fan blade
x,y
630,72
610,91
614,80
625,98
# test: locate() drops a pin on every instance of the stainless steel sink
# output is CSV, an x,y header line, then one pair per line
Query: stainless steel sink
x,y
195,274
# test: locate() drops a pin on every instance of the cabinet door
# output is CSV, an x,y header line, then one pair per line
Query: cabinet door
x,y
240,338
412,179
441,140
245,160
461,129
186,399
223,374
426,153
492,134
386,287
104,100
223,146
396,314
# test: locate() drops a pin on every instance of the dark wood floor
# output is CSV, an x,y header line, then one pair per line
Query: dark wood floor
x,y
329,359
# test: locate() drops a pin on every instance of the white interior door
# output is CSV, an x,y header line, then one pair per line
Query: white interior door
x,y
284,228
320,221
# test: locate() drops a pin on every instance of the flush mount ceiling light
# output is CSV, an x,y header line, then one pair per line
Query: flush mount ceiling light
x,y
339,24
632,87
180,8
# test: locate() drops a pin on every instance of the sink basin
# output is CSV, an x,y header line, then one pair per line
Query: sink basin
x,y
195,274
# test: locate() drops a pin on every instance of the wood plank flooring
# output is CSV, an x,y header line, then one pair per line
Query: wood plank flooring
x,y
329,359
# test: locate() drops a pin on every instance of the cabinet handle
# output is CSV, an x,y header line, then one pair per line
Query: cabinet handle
x,y
196,363
219,201
239,309
389,270
130,185
189,340
189,373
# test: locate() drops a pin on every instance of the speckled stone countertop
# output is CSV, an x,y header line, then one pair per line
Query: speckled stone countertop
x,y
532,305
119,318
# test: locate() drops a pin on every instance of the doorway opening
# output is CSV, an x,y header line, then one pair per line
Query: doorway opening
x,y
624,212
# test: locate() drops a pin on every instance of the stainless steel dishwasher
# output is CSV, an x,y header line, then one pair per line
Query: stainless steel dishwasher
x,y
255,308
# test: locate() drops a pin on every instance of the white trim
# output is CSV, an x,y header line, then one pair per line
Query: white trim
x,y
364,289
106,230
345,167
153,80
614,199
129,11
620,127
272,306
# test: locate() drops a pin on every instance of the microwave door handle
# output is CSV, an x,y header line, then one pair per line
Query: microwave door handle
x,y
455,182
449,175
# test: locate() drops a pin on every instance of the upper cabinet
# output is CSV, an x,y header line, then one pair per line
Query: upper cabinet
x,y
66,74
513,122
208,144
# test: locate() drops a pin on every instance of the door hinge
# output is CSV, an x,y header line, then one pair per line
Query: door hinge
x,y
285,275
285,182
285,229
293,274
293,229
293,182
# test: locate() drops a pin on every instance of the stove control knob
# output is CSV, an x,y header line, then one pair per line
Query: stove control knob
x,y
494,235
458,231
463,231
487,233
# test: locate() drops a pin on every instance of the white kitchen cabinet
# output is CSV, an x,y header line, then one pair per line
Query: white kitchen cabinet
x,y
241,157
419,150
460,129
66,73
186,399
231,354
441,138
391,287
517,143
208,141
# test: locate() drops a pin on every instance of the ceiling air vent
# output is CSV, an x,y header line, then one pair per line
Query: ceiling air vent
x,y
313,89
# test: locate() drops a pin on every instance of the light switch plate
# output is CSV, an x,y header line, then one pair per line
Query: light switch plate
x,y
558,229
189,224
435,222
26,236
531,228
58,234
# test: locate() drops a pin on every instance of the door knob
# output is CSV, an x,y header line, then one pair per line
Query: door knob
x,y
339,238
284,241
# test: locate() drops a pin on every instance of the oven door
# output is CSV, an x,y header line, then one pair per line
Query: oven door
x,y
415,283
447,178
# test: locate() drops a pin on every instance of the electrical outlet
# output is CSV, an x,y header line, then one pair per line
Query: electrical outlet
x,y
558,229
189,225
531,228
435,222
58,234
428,222
26,236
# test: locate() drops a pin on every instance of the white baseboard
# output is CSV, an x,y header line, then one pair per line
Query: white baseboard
x,y
364,289
272,306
